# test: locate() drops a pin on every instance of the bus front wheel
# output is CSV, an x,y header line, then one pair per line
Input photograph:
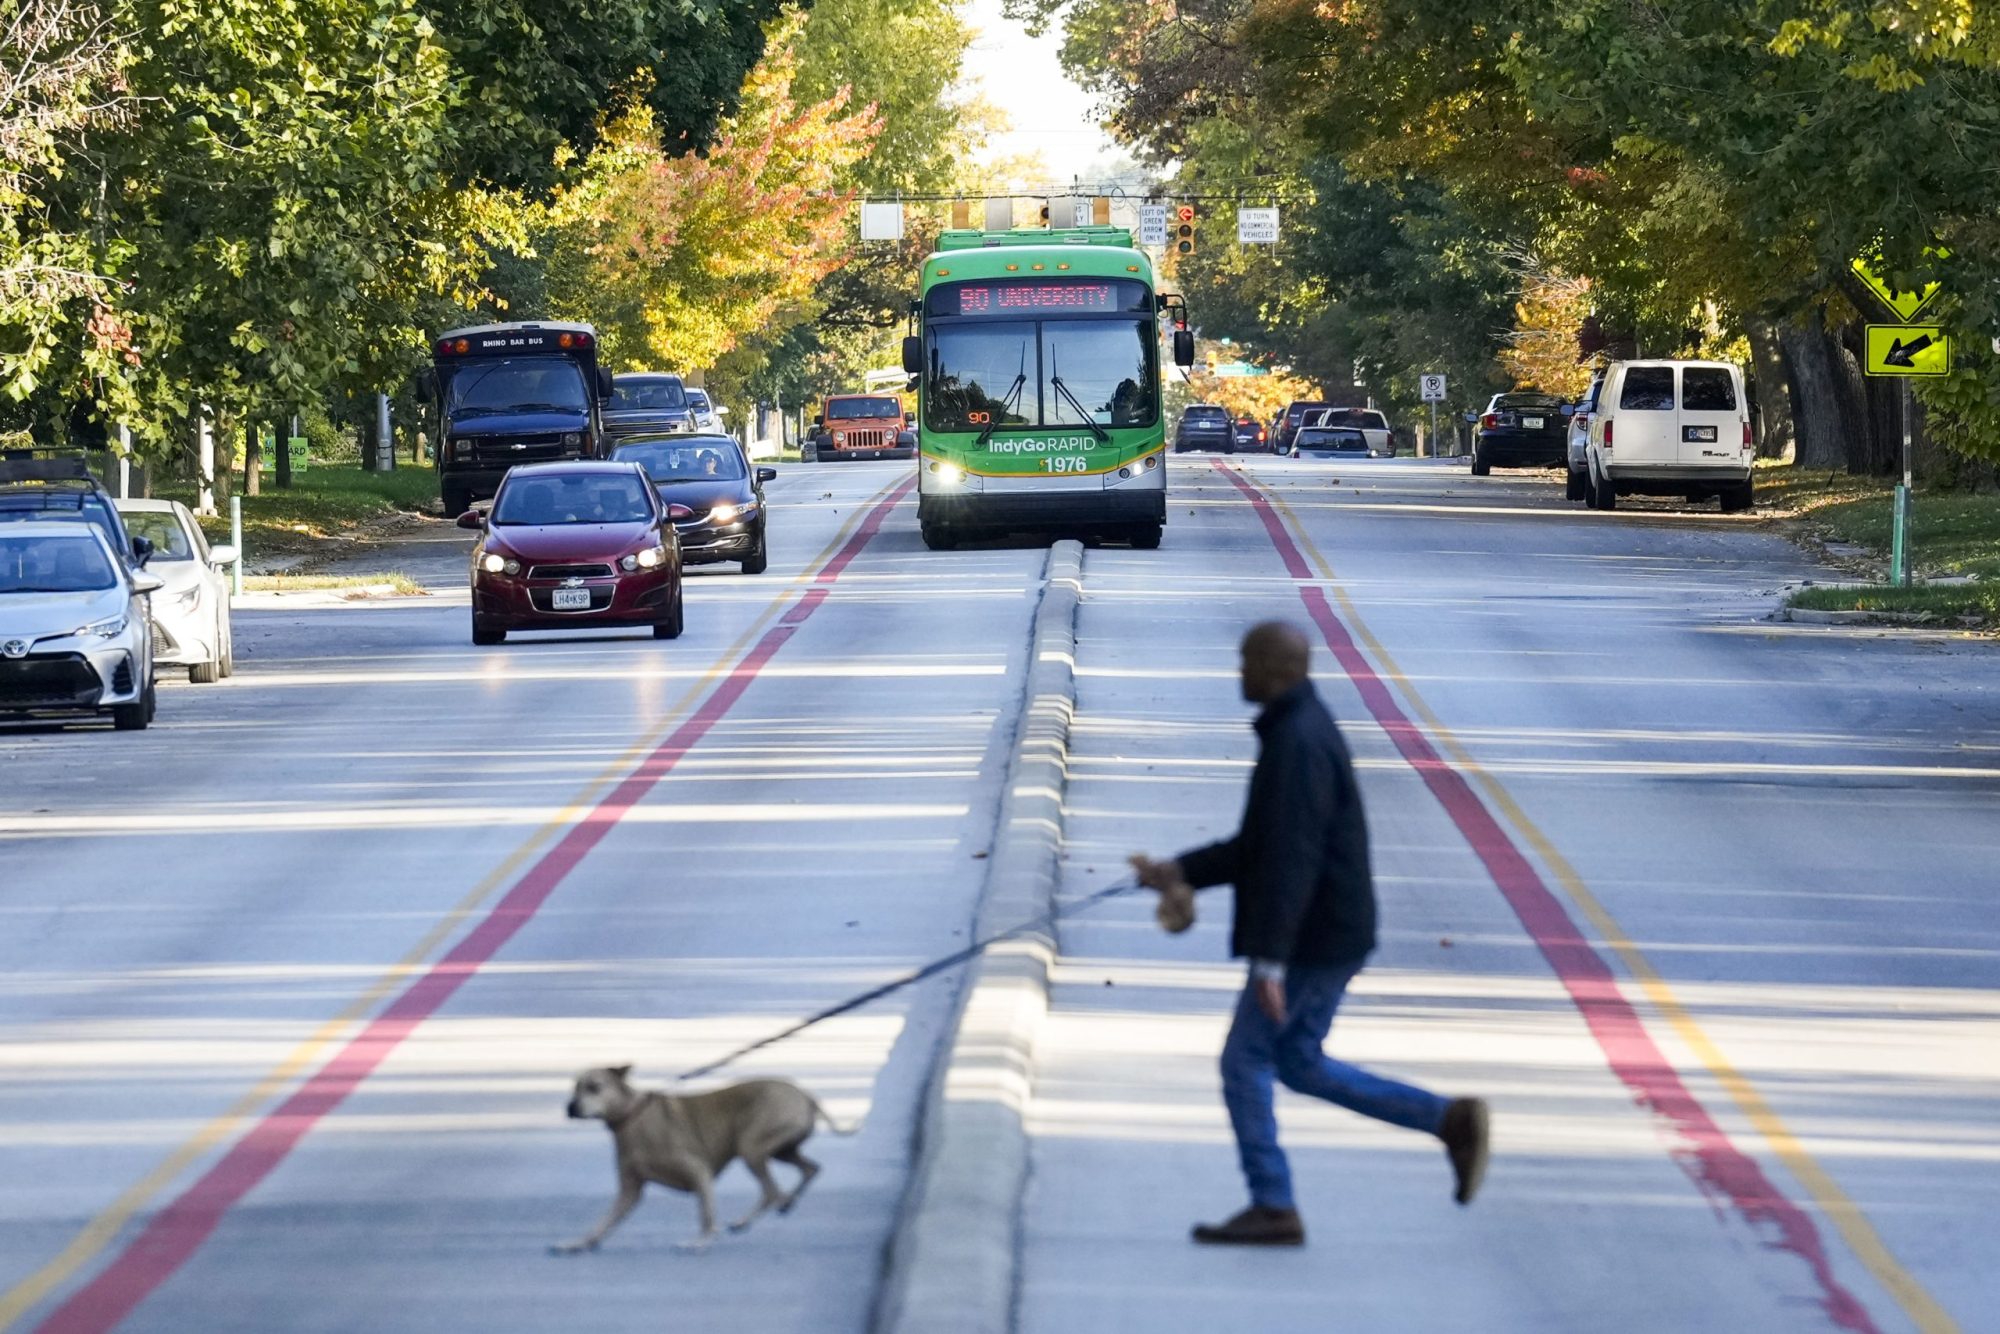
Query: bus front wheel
x,y
938,537
1146,536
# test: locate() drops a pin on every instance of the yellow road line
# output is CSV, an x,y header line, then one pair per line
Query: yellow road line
x,y
1847,1216
97,1234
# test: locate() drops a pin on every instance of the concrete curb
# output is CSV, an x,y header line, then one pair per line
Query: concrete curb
x,y
952,1262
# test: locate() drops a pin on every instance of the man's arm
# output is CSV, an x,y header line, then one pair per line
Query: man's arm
x,y
1213,865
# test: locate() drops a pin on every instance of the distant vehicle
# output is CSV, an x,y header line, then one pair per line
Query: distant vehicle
x,y
862,426
1523,429
1204,426
1672,428
1372,424
574,545
191,611
723,493
75,635
707,416
34,488
1249,436
1289,421
1331,442
508,394
1577,440
647,403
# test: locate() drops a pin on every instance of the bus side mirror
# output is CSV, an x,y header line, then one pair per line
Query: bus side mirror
x,y
424,385
913,354
603,383
1183,347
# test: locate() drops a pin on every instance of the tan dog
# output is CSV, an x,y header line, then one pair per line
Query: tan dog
x,y
684,1142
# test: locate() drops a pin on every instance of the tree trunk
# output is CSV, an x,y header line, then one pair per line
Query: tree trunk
x,y
1857,418
224,429
1772,390
253,457
1813,380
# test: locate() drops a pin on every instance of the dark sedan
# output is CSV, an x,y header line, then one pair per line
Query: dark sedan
x,y
1204,426
1250,436
647,403
708,476
575,545
1521,430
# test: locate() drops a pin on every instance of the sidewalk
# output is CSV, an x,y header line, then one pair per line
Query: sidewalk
x,y
1586,1222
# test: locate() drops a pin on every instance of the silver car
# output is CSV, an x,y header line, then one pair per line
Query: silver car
x,y
75,636
191,613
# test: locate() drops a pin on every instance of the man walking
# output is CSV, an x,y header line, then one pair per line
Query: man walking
x,y
1305,918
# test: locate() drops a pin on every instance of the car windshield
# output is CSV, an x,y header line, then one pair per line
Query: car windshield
x,y
574,497
697,398
1064,373
163,529
37,503
653,393
516,384
852,409
45,564
1527,401
685,460
1322,437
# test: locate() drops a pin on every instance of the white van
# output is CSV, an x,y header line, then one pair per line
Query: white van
x,y
1671,428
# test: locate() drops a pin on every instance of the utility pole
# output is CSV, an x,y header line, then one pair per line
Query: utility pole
x,y
205,463
1899,542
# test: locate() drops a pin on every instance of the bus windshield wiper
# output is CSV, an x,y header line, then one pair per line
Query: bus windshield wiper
x,y
1056,380
1013,399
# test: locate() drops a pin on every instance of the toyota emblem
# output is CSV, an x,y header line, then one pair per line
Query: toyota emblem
x,y
15,648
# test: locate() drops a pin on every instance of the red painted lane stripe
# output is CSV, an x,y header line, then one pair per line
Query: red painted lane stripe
x,y
174,1234
1719,1169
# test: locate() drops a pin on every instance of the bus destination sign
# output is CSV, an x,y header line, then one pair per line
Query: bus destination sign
x,y
996,298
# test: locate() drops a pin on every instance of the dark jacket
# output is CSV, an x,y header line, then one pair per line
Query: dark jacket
x,y
1304,893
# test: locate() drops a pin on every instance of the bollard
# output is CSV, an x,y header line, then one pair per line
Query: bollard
x,y
236,540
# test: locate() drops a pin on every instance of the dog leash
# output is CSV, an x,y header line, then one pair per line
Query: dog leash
x,y
930,969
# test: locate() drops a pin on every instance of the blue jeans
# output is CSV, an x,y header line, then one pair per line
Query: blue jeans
x,y
1259,1051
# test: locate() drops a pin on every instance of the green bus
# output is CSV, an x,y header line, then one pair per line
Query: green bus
x,y
1036,354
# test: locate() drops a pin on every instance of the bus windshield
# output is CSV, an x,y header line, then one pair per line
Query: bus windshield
x,y
1034,373
516,384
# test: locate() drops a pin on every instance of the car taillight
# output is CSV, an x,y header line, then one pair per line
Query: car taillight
x,y
1607,433
1748,443
1489,421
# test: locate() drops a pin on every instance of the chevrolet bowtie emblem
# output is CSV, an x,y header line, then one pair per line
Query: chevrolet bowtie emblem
x,y
572,582
518,448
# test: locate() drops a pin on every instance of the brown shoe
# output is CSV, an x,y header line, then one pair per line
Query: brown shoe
x,y
1464,1136
1255,1226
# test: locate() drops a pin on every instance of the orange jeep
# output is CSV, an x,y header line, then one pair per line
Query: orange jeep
x,y
861,426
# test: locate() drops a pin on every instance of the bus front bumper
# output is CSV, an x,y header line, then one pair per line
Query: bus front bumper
x,y
1023,503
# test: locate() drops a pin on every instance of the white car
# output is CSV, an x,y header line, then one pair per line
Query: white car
x,y
1579,439
191,612
1672,428
1372,424
74,633
707,416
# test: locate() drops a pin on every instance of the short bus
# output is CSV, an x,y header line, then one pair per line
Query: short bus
x,y
1036,354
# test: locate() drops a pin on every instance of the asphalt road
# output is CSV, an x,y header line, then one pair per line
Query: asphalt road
x,y
292,985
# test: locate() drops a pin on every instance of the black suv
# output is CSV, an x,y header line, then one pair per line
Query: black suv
x,y
1524,429
33,487
1204,426
647,403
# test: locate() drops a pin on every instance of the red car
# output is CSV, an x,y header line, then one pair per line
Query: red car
x,y
574,545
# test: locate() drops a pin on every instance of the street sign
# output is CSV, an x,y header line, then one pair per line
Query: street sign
x,y
1906,305
1433,387
1908,350
1152,224
1257,226
882,220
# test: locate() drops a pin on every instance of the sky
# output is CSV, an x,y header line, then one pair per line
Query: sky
x,y
1046,113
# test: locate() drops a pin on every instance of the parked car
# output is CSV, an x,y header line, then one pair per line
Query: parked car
x,y
1523,429
1204,426
1672,428
34,488
647,403
75,636
576,545
1331,442
707,416
861,426
1286,423
1372,424
191,610
1250,436
1577,439
712,478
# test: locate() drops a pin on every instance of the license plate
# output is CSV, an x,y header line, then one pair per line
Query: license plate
x,y
1532,423
1698,435
570,599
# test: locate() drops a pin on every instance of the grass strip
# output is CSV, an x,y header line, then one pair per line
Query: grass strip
x,y
319,583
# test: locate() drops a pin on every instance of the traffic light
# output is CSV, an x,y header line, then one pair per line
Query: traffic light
x,y
1045,213
1184,229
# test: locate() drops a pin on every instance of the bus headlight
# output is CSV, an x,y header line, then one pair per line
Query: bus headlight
x,y
950,474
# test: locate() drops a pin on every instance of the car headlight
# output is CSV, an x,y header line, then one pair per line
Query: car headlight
x,y
462,448
571,440
649,559
109,628
724,513
495,563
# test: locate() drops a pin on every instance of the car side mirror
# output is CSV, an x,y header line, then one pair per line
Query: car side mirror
x,y
913,354
147,583
222,554
603,383
142,550
909,419
472,519
679,513
1183,348
720,410
819,419
767,474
